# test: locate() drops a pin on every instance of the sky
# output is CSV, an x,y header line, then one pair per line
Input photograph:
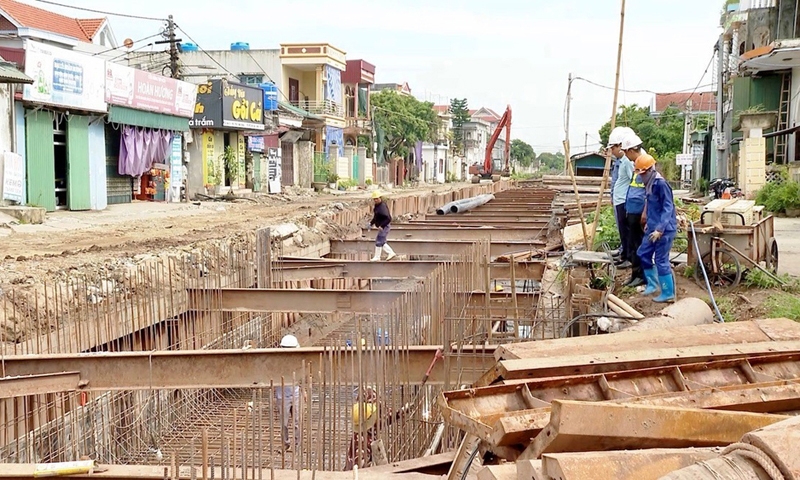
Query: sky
x,y
494,53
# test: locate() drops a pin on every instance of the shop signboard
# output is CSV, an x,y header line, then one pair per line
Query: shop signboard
x,y
256,144
64,78
223,105
142,90
13,177
176,168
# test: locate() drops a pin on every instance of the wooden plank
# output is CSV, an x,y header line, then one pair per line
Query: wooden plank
x,y
587,426
715,334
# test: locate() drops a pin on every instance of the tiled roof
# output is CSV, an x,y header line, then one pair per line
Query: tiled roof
x,y
701,101
33,17
91,25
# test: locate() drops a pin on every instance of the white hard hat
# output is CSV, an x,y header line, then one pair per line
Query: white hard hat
x,y
618,134
289,341
631,141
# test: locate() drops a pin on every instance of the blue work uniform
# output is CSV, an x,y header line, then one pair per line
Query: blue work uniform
x,y
661,217
634,206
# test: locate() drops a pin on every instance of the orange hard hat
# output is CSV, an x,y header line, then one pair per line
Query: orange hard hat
x,y
644,162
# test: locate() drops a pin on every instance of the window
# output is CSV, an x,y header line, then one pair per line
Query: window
x,y
251,79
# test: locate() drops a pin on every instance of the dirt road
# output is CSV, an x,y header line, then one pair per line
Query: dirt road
x,y
71,239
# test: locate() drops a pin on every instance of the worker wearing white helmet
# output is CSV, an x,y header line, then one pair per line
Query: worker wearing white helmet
x,y
634,208
288,399
382,219
621,172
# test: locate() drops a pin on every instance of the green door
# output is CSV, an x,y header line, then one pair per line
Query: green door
x,y
78,187
256,172
40,162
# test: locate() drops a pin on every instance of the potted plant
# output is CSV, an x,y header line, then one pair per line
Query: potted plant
x,y
231,163
214,177
333,178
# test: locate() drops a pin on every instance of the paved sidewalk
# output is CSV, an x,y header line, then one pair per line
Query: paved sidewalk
x,y
787,232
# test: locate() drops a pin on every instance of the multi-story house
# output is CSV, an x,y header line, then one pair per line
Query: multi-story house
x,y
358,79
438,164
477,133
401,88
312,80
759,71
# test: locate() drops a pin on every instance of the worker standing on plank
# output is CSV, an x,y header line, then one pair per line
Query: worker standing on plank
x,y
660,230
621,176
382,219
634,206
288,399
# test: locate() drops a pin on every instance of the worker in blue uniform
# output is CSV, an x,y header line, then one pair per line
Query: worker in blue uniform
x,y
634,207
660,229
621,172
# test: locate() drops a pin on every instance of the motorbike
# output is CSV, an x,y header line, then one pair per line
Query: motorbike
x,y
720,185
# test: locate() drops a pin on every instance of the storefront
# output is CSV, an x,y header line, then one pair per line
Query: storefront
x,y
147,117
63,112
224,115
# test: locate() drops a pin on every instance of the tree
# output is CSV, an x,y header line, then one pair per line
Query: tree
x,y
551,162
459,109
662,135
404,121
522,153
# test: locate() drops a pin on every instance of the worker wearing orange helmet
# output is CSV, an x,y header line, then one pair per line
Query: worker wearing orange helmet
x,y
660,230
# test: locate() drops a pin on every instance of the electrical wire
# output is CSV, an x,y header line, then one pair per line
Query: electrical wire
x,y
123,46
114,14
178,27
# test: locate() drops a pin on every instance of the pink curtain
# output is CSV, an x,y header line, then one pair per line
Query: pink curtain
x,y
141,148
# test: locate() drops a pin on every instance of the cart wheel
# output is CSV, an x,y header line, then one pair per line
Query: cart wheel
x,y
772,255
728,274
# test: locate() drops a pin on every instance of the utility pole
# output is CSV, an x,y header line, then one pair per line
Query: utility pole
x,y
174,69
719,168
568,166
607,168
586,142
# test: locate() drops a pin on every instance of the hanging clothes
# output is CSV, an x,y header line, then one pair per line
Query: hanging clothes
x,y
140,148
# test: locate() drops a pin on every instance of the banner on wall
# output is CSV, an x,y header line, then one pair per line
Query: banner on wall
x,y
142,90
64,78
176,168
13,177
274,170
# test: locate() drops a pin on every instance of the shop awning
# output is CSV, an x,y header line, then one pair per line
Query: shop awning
x,y
140,118
10,74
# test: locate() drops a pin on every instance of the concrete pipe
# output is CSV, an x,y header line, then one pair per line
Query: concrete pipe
x,y
470,203
683,313
730,467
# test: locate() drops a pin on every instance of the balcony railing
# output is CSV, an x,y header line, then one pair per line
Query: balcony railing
x,y
361,123
321,107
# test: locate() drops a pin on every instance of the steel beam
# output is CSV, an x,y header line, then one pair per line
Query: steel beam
x,y
480,223
587,426
318,268
324,301
437,232
21,386
424,247
232,368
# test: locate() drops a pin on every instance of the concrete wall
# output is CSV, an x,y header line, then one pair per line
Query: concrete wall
x,y
251,62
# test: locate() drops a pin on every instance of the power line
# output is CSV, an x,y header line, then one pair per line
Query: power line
x,y
121,46
646,91
204,51
113,14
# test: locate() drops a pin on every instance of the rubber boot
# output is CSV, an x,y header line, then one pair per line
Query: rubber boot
x,y
377,257
389,252
667,289
651,275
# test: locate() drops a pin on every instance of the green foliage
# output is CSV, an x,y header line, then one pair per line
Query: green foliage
x,y
348,184
702,185
727,307
777,197
405,120
522,152
783,305
757,278
459,109
451,177
607,231
551,162
231,164
522,176
662,135
368,182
